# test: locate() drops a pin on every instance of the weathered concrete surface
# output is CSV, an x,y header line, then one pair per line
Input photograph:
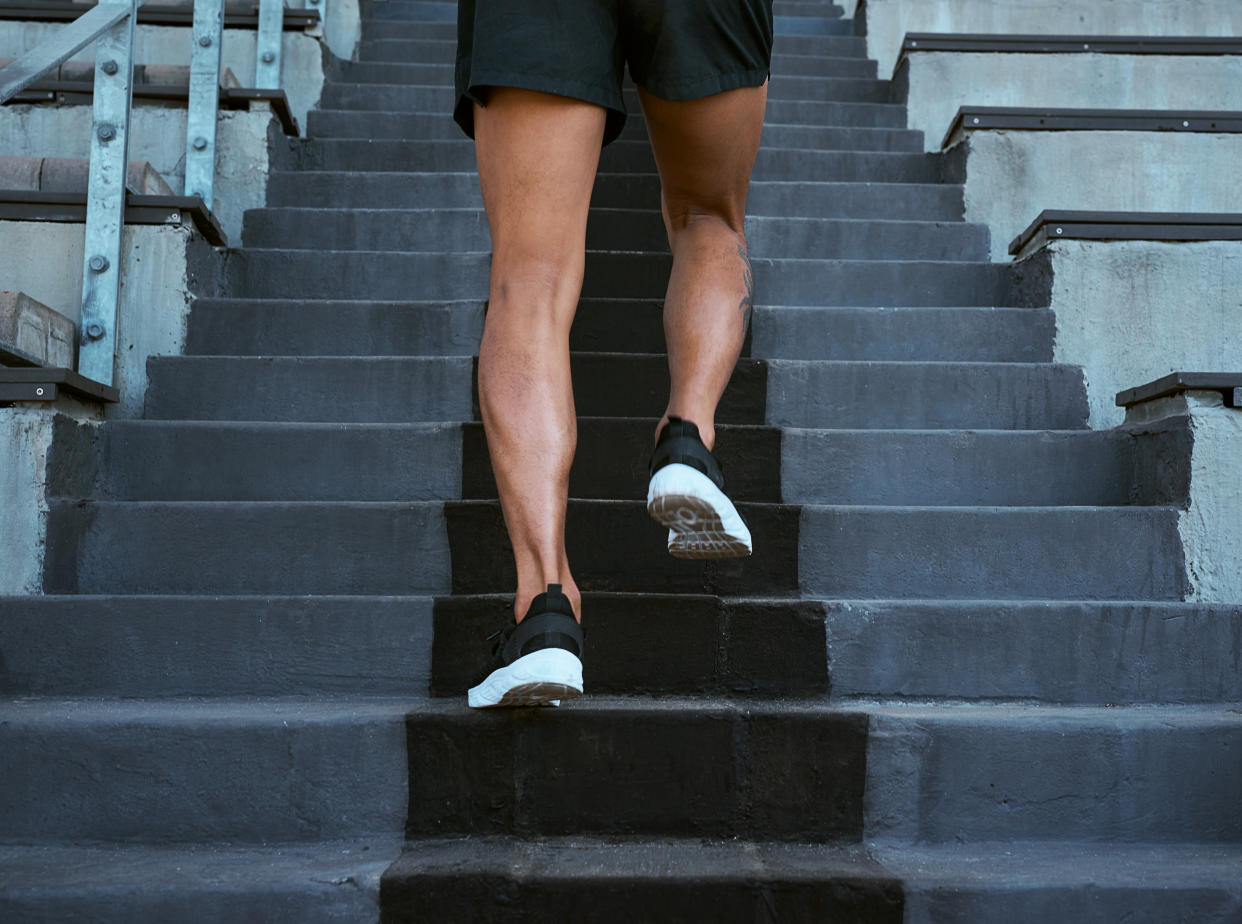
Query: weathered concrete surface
x,y
1211,523
26,438
1129,312
888,21
1011,176
36,330
45,260
941,82
157,135
35,173
302,56
342,27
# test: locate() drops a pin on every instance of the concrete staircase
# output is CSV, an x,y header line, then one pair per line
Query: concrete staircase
x,y
954,683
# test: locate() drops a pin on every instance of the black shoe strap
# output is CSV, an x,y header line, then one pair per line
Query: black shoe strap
x,y
679,443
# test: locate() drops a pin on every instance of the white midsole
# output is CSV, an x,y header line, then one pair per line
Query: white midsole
x,y
681,487
548,666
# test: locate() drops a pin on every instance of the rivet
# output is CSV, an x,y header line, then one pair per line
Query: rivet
x,y
109,67
914,44
976,120
200,143
106,132
268,57
1185,125
1058,230
175,217
204,41
94,331
39,391
1086,46
98,263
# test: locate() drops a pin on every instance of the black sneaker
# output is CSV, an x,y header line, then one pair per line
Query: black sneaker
x,y
686,494
537,662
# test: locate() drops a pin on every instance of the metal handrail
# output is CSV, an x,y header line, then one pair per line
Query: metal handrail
x,y
111,25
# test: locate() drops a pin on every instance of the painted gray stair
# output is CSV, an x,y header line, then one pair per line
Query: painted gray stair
x,y
610,229
234,770
150,547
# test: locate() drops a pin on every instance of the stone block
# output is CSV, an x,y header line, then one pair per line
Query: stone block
x,y
36,330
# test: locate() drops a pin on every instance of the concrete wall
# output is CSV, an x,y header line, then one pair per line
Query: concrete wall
x,y
302,61
888,21
1129,312
941,82
1211,524
26,436
157,136
44,260
1012,176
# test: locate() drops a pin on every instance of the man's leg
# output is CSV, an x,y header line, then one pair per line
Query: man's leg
x,y
705,150
537,157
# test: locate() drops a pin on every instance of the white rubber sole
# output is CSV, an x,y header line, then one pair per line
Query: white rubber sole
x,y
541,678
702,522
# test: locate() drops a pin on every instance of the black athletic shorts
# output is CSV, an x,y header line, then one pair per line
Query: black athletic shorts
x,y
676,49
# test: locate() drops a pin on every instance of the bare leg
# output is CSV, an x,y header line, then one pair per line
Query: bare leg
x,y
705,150
537,157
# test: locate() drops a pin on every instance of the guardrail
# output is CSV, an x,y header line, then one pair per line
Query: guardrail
x,y
110,25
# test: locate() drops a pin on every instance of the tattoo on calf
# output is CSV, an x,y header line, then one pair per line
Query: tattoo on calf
x,y
748,300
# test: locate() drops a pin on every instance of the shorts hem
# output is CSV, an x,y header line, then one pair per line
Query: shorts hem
x,y
463,111
687,90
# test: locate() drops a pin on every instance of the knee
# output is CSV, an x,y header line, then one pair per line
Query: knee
x,y
538,288
683,217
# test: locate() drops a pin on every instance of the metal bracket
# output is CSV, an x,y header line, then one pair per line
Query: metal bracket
x,y
200,137
105,198
28,391
267,50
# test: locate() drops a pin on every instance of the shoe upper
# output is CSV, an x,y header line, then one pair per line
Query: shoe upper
x,y
549,623
679,442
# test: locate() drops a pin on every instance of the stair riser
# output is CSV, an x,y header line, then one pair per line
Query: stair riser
x,y
807,25
615,546
718,647
718,773
1060,553
290,549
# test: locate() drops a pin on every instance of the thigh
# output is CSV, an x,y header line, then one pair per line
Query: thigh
x,y
704,150
537,156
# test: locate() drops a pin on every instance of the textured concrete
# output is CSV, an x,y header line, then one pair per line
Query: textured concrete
x,y
157,135
154,295
888,21
942,81
36,330
27,437
302,56
32,172
1012,176
1129,312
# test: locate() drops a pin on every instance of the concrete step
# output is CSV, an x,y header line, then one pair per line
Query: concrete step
x,y
1071,553
364,155
904,334
405,389
385,24
340,274
663,767
293,327
183,645
323,883
412,126
410,230
925,395
816,8
893,201
959,467
1156,774
160,547
1035,651
808,25
730,882
245,771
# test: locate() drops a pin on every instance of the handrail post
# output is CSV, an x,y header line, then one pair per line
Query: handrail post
x,y
267,50
105,198
200,136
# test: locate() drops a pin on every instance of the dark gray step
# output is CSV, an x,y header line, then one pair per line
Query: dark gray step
x,y
242,771
814,8
959,467
905,334
1042,650
1157,774
926,395
428,11
613,453
814,65
576,879
404,389
176,646
384,23
706,645
324,883
158,547
614,546
994,553
337,123
357,389
777,769
610,229
622,157
819,87
808,25
256,273
895,201
252,327
394,40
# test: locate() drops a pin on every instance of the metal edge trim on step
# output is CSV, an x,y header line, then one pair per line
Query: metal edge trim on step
x,y
1070,44
1229,384
22,384
1023,118
28,205
1056,224
151,15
